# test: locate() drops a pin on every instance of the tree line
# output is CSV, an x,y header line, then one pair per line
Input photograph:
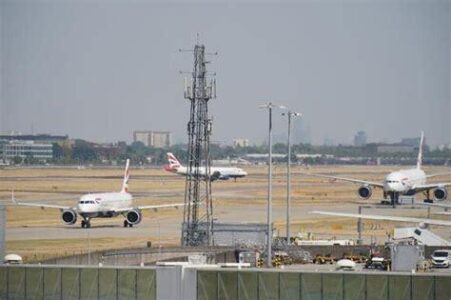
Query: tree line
x,y
82,152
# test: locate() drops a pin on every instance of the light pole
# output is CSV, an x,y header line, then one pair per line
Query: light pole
x,y
270,107
289,114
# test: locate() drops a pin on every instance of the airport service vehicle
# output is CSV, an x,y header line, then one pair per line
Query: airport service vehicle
x,y
221,173
377,262
12,259
103,205
331,242
403,182
441,258
346,265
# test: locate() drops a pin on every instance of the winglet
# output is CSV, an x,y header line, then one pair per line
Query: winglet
x,y
126,177
420,151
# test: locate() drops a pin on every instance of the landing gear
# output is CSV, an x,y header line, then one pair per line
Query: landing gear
x,y
85,224
394,198
428,198
127,224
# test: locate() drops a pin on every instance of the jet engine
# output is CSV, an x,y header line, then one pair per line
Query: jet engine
x,y
134,217
422,225
440,193
215,176
365,191
69,216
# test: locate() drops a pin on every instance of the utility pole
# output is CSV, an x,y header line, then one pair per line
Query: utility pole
x,y
2,230
197,227
270,107
359,227
289,114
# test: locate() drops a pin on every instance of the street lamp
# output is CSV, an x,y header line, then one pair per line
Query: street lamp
x,y
270,106
289,114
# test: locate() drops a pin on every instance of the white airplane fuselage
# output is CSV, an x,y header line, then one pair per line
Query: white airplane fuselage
x,y
103,204
225,172
404,181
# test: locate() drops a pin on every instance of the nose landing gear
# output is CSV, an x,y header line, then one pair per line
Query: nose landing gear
x,y
394,199
85,223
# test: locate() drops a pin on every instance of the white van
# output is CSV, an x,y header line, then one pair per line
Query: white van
x,y
441,258
12,259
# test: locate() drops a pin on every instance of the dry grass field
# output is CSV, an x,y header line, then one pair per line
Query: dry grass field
x,y
36,234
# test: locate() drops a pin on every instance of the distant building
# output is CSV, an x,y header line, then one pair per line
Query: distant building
x,y
360,139
27,149
41,138
395,148
444,147
328,142
240,142
414,142
108,151
156,139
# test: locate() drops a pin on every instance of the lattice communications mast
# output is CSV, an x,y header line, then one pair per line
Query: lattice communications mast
x,y
197,216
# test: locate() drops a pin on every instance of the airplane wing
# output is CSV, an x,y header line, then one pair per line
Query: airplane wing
x,y
41,205
154,207
425,187
386,218
372,183
438,174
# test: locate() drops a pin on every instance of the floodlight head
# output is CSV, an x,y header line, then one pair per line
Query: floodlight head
x,y
272,105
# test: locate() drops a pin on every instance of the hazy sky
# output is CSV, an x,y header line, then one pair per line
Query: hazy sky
x,y
100,69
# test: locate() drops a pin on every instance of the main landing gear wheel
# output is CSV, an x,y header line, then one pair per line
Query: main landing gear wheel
x,y
127,224
428,197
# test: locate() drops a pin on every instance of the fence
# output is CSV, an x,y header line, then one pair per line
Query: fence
x,y
322,286
35,282
190,283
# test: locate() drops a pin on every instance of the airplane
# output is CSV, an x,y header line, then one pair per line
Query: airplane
x,y
418,232
403,182
102,205
423,222
221,173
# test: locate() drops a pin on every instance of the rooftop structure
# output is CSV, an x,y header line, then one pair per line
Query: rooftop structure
x,y
150,138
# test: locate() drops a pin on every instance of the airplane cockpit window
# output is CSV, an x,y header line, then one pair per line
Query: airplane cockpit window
x,y
87,202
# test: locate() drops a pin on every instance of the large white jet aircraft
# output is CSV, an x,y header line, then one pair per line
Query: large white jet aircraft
x,y
222,173
103,205
403,182
422,222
